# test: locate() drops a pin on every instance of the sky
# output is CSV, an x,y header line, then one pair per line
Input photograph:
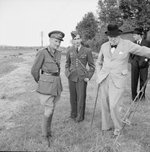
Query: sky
x,y
23,21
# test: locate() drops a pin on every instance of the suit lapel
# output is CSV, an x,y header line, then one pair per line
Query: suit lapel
x,y
118,49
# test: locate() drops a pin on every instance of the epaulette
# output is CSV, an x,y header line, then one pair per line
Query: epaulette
x,y
41,49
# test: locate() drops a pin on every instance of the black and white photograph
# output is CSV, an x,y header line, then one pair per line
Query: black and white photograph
x,y
75,75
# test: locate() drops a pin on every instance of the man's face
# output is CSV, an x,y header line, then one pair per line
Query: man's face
x,y
114,40
137,37
77,41
54,43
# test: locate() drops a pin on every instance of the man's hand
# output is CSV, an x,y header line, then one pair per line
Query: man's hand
x,y
86,79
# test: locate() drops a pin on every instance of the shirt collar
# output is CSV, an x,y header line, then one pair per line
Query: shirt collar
x,y
139,41
79,48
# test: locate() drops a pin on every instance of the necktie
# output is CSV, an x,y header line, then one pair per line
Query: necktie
x,y
77,50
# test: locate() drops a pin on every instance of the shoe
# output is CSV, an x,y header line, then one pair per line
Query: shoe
x,y
78,119
116,133
72,117
47,140
107,131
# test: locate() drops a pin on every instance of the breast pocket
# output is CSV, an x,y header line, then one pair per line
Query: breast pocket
x,y
124,72
83,57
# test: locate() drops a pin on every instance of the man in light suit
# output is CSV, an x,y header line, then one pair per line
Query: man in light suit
x,y
112,69
78,76
139,65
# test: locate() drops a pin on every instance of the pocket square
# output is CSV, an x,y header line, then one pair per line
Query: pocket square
x,y
120,52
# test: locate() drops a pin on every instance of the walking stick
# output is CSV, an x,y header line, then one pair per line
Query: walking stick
x,y
95,105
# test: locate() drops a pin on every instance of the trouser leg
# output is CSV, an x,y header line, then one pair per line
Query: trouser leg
x,y
115,101
105,110
49,103
134,79
81,99
45,126
73,98
143,78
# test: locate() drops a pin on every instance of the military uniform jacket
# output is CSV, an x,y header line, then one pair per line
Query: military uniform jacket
x,y
116,65
47,64
143,62
75,68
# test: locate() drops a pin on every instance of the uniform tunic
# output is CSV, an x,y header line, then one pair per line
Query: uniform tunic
x,y
76,71
47,64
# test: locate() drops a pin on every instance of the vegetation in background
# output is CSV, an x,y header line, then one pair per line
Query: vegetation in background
x,y
128,15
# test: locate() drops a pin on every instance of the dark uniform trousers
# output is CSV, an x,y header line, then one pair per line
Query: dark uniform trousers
x,y
139,71
77,90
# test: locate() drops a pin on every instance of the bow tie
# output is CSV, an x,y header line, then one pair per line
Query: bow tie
x,y
113,46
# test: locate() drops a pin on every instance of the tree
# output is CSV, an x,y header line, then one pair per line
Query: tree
x,y
88,27
136,10
108,12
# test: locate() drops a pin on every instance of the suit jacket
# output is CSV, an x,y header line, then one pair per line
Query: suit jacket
x,y
75,68
116,65
143,62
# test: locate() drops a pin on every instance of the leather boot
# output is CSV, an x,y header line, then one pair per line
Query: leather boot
x,y
49,125
44,126
45,132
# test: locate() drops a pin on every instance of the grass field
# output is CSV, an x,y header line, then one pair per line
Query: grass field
x,y
21,114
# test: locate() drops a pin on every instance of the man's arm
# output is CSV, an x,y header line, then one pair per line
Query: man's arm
x,y
99,62
139,50
35,70
90,64
67,65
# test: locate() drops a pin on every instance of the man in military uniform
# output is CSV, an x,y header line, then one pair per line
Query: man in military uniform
x,y
77,58
139,64
45,71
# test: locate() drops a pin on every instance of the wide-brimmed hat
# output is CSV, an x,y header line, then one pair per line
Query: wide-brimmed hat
x,y
57,35
138,30
113,30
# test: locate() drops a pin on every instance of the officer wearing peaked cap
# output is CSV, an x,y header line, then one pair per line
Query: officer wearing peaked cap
x,y
49,82
77,58
57,34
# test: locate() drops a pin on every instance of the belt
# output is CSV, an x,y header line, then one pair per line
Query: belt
x,y
52,74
